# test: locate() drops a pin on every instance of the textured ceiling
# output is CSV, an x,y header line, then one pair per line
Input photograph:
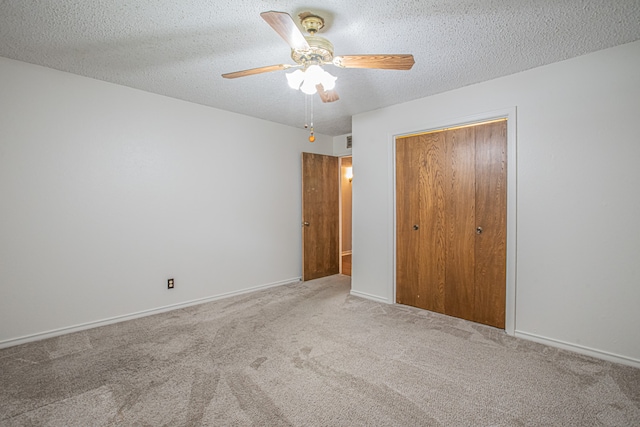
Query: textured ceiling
x,y
180,48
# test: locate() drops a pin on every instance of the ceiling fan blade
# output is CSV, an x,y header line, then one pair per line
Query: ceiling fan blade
x,y
283,24
327,95
386,62
259,70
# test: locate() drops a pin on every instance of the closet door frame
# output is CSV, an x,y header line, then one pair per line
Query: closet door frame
x,y
510,115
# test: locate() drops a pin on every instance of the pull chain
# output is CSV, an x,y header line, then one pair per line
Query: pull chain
x,y
312,137
308,105
306,111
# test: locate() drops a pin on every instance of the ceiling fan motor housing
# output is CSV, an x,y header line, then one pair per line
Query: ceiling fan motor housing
x,y
320,52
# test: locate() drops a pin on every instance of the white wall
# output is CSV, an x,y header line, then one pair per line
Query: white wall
x,y
578,203
106,192
340,146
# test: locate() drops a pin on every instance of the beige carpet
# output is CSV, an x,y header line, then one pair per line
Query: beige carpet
x,y
308,354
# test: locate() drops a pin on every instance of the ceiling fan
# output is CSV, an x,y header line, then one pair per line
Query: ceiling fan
x,y
312,51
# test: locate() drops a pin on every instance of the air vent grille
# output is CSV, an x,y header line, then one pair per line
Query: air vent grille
x,y
349,141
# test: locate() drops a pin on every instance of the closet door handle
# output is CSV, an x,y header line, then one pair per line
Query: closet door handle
x,y
306,223
479,230
415,226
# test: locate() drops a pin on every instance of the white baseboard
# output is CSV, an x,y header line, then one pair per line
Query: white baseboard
x,y
369,296
89,325
598,354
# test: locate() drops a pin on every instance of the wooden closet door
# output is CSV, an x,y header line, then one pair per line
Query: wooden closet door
x,y
420,222
491,217
460,179
432,220
407,216
451,222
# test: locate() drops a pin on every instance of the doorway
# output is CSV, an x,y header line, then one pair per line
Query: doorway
x,y
346,179
320,216
326,215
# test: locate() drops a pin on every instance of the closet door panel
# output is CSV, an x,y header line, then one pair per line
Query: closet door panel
x,y
432,220
460,222
491,209
407,216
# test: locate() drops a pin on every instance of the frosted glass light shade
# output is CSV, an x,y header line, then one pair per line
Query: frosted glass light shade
x,y
307,80
295,79
308,87
328,81
314,73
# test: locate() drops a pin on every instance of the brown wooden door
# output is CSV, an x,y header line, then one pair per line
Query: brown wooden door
x,y
491,215
451,222
420,260
320,216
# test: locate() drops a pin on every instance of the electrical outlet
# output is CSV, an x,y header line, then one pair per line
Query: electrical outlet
x,y
170,284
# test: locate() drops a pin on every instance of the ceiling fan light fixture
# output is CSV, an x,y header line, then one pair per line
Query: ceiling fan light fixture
x,y
308,87
313,72
328,81
307,80
295,79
